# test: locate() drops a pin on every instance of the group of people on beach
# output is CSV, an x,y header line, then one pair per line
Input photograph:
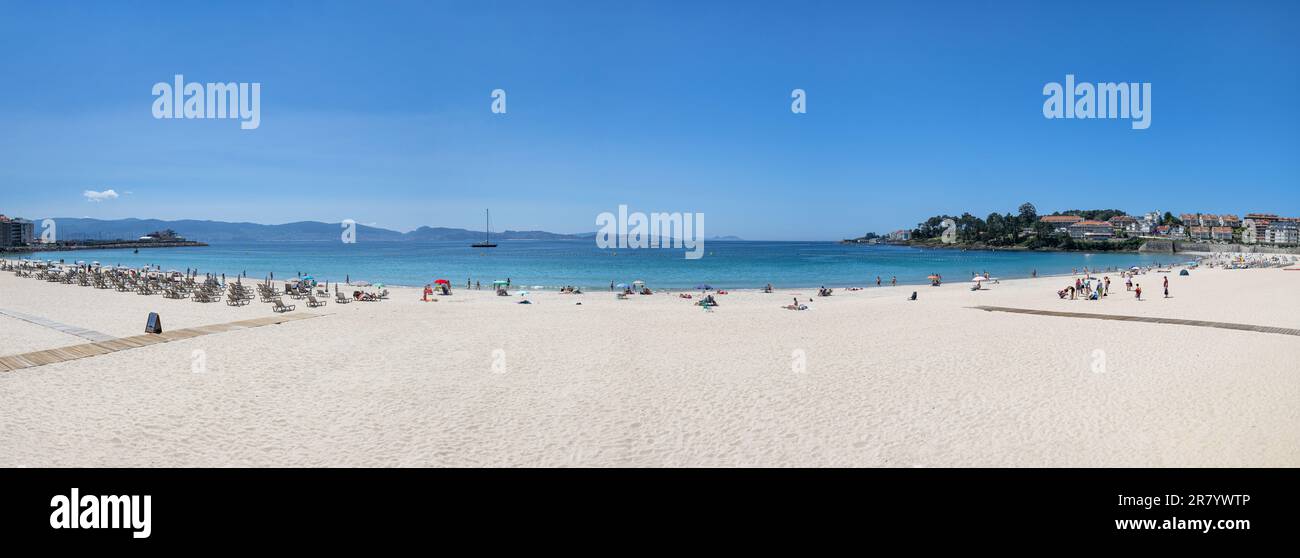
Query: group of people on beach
x,y
1084,287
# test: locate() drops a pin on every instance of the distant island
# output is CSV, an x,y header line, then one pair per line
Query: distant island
x,y
165,238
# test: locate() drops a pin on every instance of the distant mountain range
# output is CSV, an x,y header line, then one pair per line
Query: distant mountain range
x,y
304,231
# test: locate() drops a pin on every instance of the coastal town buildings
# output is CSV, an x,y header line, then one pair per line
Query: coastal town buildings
x,y
1268,228
1091,230
1150,221
1283,231
1171,231
1249,232
1061,223
1127,225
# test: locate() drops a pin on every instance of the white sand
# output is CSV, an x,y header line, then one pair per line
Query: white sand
x,y
479,380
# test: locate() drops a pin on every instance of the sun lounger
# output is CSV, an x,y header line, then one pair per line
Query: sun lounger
x,y
313,302
281,307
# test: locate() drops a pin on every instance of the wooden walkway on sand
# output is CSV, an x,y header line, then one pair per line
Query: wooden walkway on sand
x,y
83,333
1175,321
112,345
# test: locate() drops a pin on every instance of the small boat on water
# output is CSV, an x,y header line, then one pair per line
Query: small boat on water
x,y
487,242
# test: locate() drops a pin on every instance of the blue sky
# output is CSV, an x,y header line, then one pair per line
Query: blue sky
x,y
380,112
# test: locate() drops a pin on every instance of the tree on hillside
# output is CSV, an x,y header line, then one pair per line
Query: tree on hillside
x,y
1028,213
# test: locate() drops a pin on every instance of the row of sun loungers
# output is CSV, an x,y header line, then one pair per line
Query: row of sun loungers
x,y
171,287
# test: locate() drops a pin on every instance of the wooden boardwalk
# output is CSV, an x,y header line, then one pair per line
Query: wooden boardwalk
x,y
112,344
1197,323
83,333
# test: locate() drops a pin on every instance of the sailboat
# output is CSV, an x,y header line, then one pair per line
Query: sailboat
x,y
487,242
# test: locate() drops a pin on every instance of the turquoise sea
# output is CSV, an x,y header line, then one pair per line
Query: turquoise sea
x,y
550,264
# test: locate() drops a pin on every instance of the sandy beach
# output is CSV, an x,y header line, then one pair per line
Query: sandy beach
x,y
862,378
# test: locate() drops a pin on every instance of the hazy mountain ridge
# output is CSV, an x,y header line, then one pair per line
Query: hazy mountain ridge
x,y
69,228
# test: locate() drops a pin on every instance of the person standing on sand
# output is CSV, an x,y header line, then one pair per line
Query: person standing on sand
x,y
1166,287
877,280
1139,291
893,281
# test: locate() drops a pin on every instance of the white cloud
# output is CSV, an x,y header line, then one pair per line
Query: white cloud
x,y
94,196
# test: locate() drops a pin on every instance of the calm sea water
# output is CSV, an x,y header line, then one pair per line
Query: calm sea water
x,y
735,265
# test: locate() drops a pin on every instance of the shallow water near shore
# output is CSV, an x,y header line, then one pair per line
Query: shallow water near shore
x,y
550,264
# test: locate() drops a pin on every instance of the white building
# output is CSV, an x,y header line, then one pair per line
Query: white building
x,y
1283,231
1092,230
1248,232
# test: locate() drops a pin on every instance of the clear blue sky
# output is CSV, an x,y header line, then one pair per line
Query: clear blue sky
x,y
381,112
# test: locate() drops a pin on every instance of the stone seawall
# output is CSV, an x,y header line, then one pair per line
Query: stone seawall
x,y
1210,248
1161,246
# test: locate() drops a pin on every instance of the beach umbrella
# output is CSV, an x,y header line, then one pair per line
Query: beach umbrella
x,y
442,282
621,285
978,278
499,282
932,277
638,282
